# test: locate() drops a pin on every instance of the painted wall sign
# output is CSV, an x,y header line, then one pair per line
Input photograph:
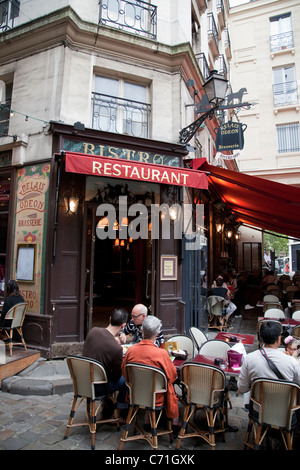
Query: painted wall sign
x,y
119,152
101,166
230,136
30,231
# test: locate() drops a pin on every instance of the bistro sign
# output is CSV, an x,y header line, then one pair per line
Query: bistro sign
x,y
230,136
109,167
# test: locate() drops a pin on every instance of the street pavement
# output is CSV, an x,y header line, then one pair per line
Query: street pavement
x,y
34,417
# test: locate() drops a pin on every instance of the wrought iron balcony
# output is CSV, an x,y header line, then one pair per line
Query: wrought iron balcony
x,y
119,115
9,10
132,16
221,66
213,37
285,93
282,41
203,64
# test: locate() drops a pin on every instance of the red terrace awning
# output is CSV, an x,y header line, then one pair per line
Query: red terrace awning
x,y
256,201
129,169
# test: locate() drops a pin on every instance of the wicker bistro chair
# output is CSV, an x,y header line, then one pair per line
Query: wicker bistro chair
x,y
16,314
185,343
272,405
215,347
145,383
260,341
205,389
86,373
198,337
270,298
274,313
216,307
296,332
269,305
290,292
296,314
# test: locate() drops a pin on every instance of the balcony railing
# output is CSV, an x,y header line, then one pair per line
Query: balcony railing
x,y
213,34
119,115
4,117
203,64
221,66
132,16
9,10
285,93
282,41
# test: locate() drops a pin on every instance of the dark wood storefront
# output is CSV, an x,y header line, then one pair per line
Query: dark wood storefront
x,y
74,254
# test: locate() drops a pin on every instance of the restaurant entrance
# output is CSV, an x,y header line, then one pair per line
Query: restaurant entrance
x,y
118,271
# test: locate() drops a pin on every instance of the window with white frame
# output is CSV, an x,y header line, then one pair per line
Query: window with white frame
x,y
288,138
281,34
5,107
285,86
9,10
120,106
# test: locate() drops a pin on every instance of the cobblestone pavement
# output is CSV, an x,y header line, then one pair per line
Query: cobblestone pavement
x,y
39,423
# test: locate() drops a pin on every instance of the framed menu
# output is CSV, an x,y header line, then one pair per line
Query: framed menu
x,y
26,262
168,268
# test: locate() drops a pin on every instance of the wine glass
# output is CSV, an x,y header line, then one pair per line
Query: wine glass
x,y
170,348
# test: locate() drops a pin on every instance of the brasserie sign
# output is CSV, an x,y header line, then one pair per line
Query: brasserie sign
x,y
230,136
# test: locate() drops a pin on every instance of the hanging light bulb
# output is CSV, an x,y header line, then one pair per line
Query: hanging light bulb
x,y
117,242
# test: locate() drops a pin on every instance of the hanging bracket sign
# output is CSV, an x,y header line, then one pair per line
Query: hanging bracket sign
x,y
230,136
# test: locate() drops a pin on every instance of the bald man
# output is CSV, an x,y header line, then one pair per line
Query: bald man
x,y
134,326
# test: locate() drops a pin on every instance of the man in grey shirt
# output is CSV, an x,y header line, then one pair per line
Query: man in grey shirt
x,y
256,366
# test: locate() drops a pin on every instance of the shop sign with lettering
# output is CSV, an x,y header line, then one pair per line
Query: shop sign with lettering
x,y
230,136
30,230
120,153
109,167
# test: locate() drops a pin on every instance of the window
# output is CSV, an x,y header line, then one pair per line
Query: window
x,y
285,86
9,10
281,34
288,138
120,106
5,103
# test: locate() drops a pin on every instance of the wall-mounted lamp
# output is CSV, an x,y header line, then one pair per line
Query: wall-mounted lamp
x,y
229,233
71,204
237,235
219,227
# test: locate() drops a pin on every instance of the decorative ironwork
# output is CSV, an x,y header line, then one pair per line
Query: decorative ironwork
x,y
203,64
131,16
119,115
285,93
281,41
207,111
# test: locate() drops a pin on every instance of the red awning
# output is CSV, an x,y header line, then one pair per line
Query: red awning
x,y
130,169
256,201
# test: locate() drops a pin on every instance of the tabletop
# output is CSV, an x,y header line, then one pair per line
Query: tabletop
x,y
239,337
210,360
283,321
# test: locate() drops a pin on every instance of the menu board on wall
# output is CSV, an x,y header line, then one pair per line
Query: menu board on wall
x,y
30,232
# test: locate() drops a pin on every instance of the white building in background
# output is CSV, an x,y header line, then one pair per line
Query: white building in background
x,y
265,40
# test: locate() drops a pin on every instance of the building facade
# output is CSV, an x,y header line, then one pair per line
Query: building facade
x,y
108,80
